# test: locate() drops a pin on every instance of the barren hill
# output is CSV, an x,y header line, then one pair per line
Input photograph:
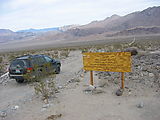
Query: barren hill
x,y
115,23
136,31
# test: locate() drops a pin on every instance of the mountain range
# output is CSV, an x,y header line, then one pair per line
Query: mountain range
x,y
137,23
39,30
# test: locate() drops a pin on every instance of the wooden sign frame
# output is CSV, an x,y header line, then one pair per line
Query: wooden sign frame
x,y
107,61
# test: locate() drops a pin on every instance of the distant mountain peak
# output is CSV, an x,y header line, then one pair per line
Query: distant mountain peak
x,y
114,16
5,31
39,30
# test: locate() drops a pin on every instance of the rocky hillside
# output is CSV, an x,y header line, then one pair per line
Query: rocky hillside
x,y
136,31
146,18
8,35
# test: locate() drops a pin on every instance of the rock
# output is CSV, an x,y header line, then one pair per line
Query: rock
x,y
135,77
73,80
133,50
45,101
102,83
140,105
82,75
97,91
129,93
145,74
151,75
90,89
69,81
54,117
45,105
119,92
60,87
3,114
76,80
15,107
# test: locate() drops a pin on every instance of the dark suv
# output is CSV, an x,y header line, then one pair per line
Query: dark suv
x,y
32,67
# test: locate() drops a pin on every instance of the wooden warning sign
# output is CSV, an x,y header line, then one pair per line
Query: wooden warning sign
x,y
108,61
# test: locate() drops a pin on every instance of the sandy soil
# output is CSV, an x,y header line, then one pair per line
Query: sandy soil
x,y
75,104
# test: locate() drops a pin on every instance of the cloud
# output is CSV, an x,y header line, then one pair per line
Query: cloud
x,y
23,14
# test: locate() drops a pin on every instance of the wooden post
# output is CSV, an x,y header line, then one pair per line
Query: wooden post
x,y
122,80
91,78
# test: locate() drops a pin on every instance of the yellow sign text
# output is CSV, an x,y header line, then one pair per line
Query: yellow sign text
x,y
108,61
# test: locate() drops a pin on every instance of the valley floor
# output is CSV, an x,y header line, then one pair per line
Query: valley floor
x,y
19,101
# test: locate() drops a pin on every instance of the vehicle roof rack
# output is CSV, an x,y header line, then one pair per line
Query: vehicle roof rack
x,y
24,56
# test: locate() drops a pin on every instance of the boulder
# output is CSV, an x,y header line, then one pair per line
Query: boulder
x,y
133,50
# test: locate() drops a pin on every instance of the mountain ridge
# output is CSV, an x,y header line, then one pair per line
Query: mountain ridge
x,y
136,23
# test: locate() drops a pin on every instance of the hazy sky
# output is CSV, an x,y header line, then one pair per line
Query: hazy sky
x,y
25,14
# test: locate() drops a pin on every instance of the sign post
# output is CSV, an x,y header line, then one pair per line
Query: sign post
x,y
91,78
108,61
122,80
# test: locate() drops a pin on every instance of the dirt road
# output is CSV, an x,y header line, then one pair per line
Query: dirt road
x,y
14,94
19,102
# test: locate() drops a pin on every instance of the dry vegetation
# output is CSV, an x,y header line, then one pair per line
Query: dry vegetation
x,y
45,88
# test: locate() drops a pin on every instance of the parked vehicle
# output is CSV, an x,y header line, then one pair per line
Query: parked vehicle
x,y
32,67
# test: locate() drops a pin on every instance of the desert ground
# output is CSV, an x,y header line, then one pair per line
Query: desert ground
x,y
77,100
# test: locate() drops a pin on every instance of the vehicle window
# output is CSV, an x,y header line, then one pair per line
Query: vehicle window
x,y
34,61
20,63
48,59
41,60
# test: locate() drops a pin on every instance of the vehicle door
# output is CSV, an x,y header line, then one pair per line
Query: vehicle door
x,y
36,67
50,64
43,66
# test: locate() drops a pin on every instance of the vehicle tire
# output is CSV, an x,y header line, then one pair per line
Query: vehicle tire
x,y
58,69
19,80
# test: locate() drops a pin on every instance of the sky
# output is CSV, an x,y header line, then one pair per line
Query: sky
x,y
25,14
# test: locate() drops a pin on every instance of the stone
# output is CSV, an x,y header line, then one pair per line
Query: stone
x,y
60,87
15,107
54,117
45,105
135,77
82,75
145,73
97,91
119,92
69,81
90,89
140,105
151,75
3,114
133,50
76,80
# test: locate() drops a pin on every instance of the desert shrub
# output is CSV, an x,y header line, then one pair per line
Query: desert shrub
x,y
11,57
64,53
117,46
84,50
1,68
1,59
46,88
